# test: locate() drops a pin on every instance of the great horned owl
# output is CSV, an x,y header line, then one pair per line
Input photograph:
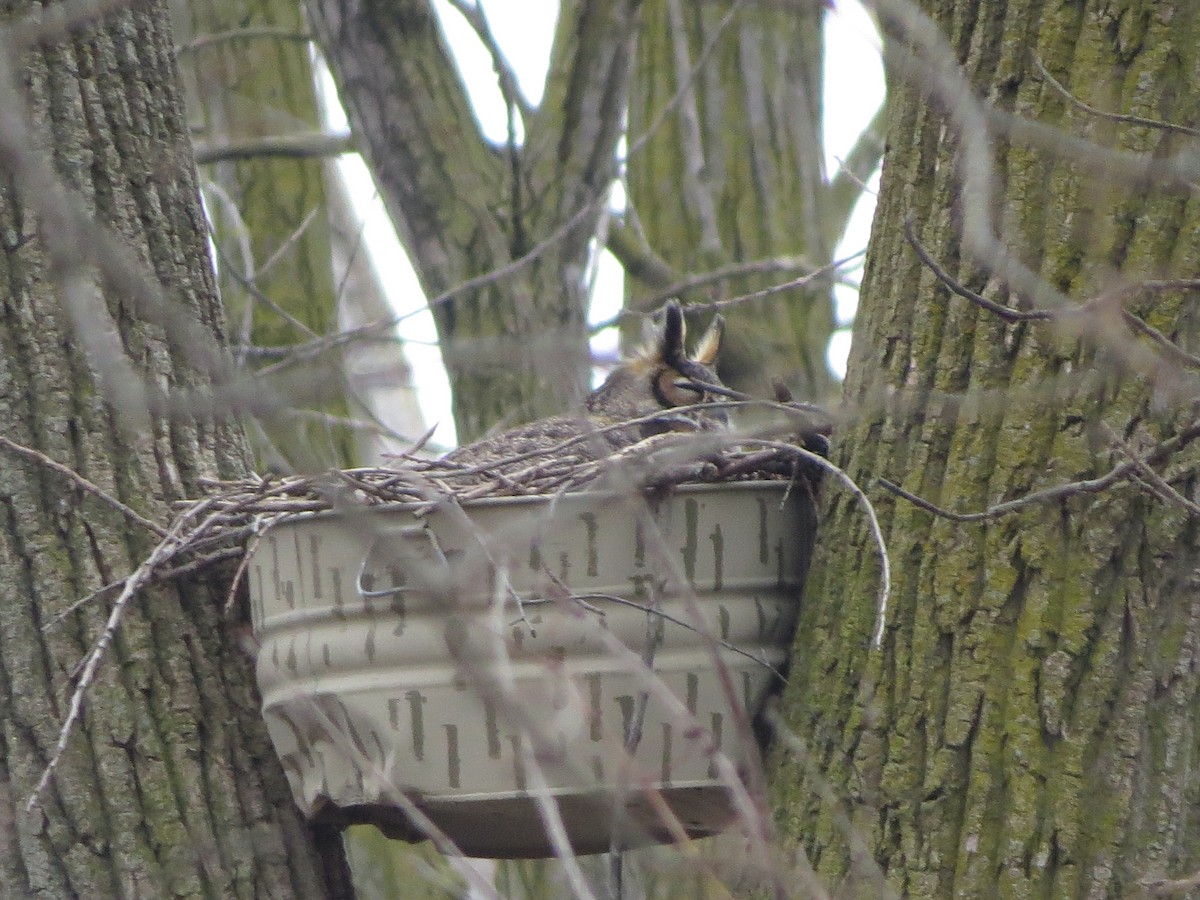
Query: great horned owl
x,y
651,386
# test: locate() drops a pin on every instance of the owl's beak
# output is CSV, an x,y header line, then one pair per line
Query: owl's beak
x,y
705,387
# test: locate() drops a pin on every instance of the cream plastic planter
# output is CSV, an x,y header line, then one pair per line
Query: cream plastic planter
x,y
398,672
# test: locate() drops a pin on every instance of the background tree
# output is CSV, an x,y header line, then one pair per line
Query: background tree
x,y
726,175
512,229
292,264
1028,726
111,339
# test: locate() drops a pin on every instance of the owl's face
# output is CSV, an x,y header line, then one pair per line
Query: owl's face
x,y
662,377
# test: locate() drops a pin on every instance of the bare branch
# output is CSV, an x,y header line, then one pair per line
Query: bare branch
x,y
1006,313
510,87
315,145
168,547
1112,117
1156,482
397,77
1113,295
53,23
685,82
83,484
628,244
849,184
581,116
775,265
1119,472
258,32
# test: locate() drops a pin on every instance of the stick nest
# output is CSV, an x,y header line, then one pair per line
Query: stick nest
x,y
655,463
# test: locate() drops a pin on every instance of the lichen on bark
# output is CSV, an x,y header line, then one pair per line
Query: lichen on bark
x,y
1029,724
168,786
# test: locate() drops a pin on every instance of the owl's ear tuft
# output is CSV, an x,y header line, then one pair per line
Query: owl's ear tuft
x,y
674,331
710,345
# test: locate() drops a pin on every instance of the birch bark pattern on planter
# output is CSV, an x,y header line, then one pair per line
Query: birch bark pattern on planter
x,y
394,658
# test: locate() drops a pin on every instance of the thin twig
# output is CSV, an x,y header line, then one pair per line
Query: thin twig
x,y
249,33
83,484
506,78
1156,481
1007,313
660,613
1085,486
316,145
1104,114
165,549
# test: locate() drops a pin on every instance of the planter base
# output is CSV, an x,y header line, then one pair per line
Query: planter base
x,y
515,830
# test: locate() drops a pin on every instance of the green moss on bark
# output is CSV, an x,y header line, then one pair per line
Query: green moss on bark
x,y
1026,730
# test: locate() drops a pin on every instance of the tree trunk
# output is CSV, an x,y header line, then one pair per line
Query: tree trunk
x,y
515,344
735,174
249,72
168,786
1029,725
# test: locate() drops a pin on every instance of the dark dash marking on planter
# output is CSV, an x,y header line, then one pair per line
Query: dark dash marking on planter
x,y
299,568
339,601
666,754
693,691
276,579
396,605
492,727
518,763
453,760
593,550
691,514
415,701
717,722
625,702
258,609
718,542
595,726
763,549
314,556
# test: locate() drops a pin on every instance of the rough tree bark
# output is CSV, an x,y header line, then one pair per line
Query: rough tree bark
x,y
1029,727
169,786
516,347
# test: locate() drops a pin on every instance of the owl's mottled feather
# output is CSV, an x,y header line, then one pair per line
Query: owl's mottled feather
x,y
651,387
